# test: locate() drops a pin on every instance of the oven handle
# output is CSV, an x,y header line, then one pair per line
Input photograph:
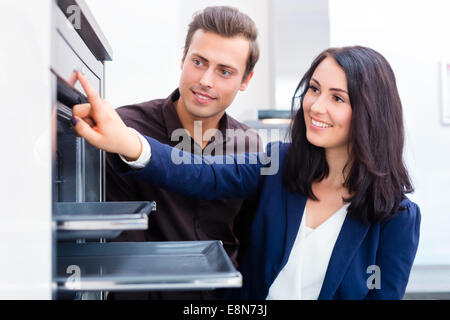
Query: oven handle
x,y
68,95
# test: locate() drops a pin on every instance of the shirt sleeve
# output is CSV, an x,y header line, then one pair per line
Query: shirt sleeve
x,y
145,156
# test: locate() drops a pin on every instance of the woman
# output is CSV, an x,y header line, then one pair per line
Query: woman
x,y
334,221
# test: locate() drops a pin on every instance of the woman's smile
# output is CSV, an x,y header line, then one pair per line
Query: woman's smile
x,y
317,124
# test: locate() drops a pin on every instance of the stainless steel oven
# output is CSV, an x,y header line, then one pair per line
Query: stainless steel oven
x,y
85,264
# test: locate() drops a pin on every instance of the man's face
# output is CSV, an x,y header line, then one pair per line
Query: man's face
x,y
212,72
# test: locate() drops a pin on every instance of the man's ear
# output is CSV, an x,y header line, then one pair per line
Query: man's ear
x,y
182,59
245,82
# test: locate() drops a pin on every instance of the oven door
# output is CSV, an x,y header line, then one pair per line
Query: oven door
x,y
79,210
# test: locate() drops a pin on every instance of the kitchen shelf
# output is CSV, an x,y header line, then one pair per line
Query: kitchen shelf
x,y
145,266
94,220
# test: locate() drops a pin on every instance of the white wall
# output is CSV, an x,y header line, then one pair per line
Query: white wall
x,y
25,183
147,38
413,36
300,31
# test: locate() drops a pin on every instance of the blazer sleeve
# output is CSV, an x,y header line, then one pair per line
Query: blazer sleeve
x,y
399,238
204,177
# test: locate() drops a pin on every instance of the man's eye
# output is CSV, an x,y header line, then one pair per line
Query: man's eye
x,y
226,73
197,62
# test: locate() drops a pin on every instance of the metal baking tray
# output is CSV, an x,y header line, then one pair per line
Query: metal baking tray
x,y
145,266
94,220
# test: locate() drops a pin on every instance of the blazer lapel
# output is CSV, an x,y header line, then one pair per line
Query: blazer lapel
x,y
348,241
295,207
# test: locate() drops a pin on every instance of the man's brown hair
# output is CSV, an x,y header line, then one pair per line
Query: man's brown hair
x,y
227,22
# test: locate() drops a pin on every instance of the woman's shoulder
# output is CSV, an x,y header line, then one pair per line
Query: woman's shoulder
x,y
408,204
407,214
409,208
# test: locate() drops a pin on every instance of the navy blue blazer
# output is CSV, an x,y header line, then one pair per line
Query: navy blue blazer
x,y
387,248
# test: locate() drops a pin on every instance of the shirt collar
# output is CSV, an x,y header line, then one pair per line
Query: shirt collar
x,y
173,121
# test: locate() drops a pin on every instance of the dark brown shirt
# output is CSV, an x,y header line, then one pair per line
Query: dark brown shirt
x,y
179,218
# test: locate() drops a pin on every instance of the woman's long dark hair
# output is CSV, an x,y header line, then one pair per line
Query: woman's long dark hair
x,y
377,178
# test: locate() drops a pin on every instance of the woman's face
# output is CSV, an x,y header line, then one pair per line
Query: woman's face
x,y
326,106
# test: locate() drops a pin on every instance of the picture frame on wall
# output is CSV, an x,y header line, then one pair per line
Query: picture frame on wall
x,y
445,92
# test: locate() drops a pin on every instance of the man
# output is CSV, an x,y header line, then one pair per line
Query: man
x,y
218,60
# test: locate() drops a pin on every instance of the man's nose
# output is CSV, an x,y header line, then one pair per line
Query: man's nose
x,y
207,79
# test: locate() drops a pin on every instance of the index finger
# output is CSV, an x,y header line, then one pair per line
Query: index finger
x,y
92,94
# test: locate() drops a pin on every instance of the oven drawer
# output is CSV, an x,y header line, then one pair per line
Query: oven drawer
x,y
145,266
95,220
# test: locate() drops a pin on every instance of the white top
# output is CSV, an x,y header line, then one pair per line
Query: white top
x,y
302,276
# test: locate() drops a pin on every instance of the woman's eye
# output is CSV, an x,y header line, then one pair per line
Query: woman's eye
x,y
313,88
338,99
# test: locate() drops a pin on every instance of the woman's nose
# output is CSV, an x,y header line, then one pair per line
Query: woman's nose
x,y
319,106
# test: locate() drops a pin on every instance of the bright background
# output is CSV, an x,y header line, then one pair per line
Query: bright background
x,y
147,38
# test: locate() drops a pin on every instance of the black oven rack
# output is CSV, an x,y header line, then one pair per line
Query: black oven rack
x,y
95,220
145,266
